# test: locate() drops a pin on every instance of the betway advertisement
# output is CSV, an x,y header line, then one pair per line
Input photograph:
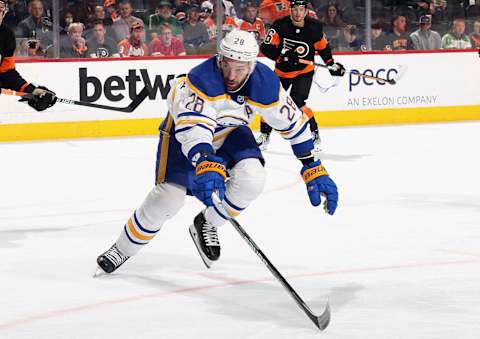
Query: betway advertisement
x,y
422,80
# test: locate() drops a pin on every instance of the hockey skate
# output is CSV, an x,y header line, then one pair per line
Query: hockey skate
x,y
111,259
205,238
263,140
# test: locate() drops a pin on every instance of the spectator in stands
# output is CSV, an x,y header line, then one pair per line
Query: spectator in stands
x,y
252,23
66,21
378,37
100,45
350,40
398,38
229,22
331,16
17,11
332,24
206,10
36,26
439,16
122,26
181,17
139,5
475,36
165,16
181,6
424,38
100,15
110,10
87,12
74,46
166,44
456,39
209,20
425,7
195,34
134,45
229,8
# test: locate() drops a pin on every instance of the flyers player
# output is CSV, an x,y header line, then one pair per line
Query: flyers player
x,y
252,23
9,77
288,40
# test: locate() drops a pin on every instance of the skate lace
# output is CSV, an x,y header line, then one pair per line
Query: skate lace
x,y
115,256
210,235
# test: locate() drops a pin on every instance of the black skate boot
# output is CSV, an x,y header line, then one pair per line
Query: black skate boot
x,y
205,238
111,259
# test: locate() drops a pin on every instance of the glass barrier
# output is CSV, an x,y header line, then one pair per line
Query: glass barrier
x,y
111,28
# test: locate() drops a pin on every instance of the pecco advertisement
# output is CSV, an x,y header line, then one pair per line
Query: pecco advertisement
x,y
424,82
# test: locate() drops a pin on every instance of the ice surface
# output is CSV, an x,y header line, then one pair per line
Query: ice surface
x,y
400,259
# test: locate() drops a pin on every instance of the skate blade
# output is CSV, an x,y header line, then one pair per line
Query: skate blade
x,y
98,272
208,263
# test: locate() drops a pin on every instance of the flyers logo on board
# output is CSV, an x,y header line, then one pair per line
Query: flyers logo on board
x,y
300,47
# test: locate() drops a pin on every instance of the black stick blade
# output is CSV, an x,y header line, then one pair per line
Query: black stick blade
x,y
323,320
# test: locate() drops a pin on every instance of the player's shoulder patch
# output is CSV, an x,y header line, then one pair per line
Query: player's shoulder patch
x,y
264,85
207,79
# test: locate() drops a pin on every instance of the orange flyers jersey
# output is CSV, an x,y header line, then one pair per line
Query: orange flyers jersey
x,y
257,27
228,25
126,49
272,10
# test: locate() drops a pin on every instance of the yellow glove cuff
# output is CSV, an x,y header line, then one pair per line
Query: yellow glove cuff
x,y
210,166
313,173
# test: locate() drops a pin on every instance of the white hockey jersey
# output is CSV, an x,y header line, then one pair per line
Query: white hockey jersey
x,y
204,113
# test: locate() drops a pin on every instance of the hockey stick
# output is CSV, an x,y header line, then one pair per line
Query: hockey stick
x,y
129,109
320,321
388,81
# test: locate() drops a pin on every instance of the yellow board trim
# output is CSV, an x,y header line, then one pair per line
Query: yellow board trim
x,y
398,116
136,127
79,129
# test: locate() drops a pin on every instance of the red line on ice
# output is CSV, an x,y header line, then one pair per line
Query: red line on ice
x,y
76,309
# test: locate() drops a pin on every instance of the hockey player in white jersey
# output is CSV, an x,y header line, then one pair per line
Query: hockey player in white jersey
x,y
207,146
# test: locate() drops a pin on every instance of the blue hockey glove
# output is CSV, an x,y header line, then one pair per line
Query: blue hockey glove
x,y
318,182
210,175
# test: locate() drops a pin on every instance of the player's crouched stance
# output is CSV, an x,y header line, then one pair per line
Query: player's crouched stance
x,y
10,78
206,146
